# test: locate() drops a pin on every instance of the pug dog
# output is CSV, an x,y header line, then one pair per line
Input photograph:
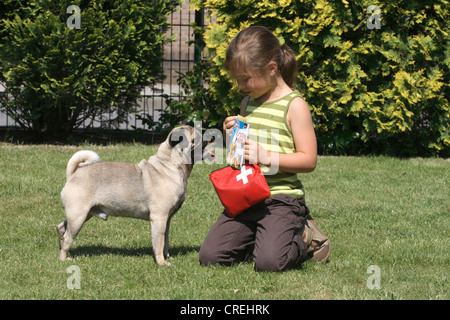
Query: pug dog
x,y
151,190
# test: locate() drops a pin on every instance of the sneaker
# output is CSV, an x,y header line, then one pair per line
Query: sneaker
x,y
319,245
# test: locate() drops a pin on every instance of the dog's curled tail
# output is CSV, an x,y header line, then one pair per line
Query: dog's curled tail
x,y
80,159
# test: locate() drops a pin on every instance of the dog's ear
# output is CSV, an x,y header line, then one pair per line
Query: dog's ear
x,y
174,140
177,136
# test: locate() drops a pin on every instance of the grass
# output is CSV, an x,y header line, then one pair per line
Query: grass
x,y
380,211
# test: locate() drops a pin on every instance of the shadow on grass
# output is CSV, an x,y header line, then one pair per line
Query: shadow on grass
x,y
99,250
80,137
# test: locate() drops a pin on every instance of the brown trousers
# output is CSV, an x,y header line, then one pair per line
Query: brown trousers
x,y
269,233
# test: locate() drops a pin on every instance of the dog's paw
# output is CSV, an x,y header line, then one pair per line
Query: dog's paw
x,y
164,263
65,259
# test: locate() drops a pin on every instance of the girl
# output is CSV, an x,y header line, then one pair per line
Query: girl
x,y
278,233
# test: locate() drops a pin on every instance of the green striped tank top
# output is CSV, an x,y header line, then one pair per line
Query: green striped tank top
x,y
268,127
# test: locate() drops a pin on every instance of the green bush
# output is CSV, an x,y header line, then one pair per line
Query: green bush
x,y
375,84
57,77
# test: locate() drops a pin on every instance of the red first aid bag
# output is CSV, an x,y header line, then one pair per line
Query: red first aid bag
x,y
239,189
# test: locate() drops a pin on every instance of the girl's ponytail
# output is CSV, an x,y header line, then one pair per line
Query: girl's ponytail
x,y
288,65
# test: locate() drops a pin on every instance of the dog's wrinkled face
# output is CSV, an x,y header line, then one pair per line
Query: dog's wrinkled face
x,y
189,142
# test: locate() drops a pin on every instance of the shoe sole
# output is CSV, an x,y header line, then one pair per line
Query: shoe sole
x,y
322,254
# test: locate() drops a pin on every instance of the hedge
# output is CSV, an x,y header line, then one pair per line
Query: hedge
x,y
374,73
61,67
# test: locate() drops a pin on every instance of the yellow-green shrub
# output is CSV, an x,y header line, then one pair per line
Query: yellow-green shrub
x,y
371,90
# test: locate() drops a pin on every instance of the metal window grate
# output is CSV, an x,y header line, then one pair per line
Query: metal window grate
x,y
178,57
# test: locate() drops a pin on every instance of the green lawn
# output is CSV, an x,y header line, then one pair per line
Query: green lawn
x,y
378,211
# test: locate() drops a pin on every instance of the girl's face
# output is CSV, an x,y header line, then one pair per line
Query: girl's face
x,y
254,84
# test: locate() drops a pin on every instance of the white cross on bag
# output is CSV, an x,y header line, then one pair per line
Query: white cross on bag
x,y
244,174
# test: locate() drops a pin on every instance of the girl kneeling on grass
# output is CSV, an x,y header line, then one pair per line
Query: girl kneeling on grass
x,y
278,233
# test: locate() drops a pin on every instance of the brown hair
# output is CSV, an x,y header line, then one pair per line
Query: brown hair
x,y
255,47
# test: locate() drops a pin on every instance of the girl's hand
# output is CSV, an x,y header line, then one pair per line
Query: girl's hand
x,y
255,153
228,125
